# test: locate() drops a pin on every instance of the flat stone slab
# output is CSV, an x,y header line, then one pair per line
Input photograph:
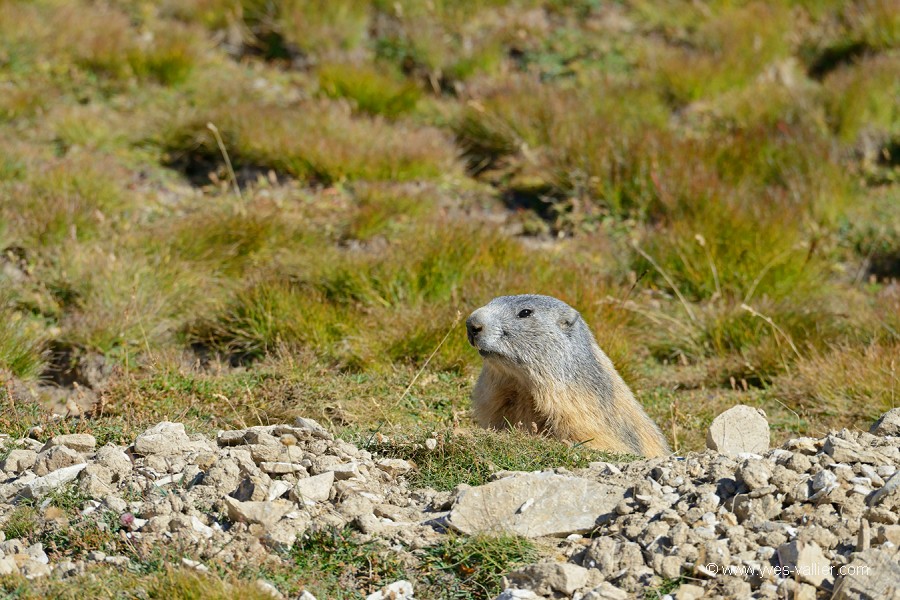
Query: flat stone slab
x,y
313,489
42,485
535,505
79,442
740,429
264,513
164,438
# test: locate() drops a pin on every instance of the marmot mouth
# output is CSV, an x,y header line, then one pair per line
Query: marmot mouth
x,y
489,354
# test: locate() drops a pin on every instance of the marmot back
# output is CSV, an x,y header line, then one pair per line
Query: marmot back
x,y
543,369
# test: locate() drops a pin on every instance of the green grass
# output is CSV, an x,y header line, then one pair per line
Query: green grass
x,y
310,26
316,141
68,498
110,583
65,200
113,56
725,51
333,564
471,457
336,563
22,522
861,97
21,345
443,43
370,90
58,525
75,537
471,567
874,232
666,587
873,391
383,211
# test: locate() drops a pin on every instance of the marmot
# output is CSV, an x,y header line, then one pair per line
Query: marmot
x,y
543,368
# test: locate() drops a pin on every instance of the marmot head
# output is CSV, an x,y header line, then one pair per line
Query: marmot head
x,y
528,331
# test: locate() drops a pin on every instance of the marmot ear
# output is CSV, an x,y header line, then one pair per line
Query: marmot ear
x,y
568,319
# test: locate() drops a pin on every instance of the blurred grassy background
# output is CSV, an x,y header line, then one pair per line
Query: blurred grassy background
x,y
714,185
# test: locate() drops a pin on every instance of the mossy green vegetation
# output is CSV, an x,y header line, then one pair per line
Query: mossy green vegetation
x,y
472,567
714,186
339,563
332,563
471,457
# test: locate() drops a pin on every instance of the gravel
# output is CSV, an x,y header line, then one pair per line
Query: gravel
x,y
802,520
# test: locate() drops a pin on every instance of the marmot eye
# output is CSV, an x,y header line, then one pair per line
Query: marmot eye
x,y
525,312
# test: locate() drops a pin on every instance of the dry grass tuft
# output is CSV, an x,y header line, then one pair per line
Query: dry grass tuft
x,y
316,141
846,384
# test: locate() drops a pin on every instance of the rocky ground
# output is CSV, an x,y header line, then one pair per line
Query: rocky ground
x,y
813,518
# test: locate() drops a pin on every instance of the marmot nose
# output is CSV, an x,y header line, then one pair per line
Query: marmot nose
x,y
473,327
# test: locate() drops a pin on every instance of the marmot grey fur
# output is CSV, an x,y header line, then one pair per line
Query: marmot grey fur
x,y
543,369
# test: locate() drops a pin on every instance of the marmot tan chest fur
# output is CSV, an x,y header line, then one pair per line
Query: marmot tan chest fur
x,y
543,368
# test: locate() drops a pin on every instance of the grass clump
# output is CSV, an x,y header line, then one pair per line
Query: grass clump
x,y
371,91
471,457
862,98
726,253
668,586
472,567
317,141
329,305
190,585
873,232
574,140
273,313
167,57
724,50
118,304
68,498
71,199
874,23
733,272
319,27
444,43
382,211
227,240
112,583
847,30
59,526
334,563
819,386
89,127
115,54
22,344
72,536
21,523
